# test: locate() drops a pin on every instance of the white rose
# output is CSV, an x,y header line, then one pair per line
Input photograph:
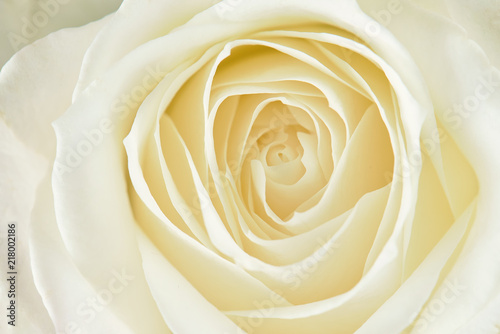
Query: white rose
x,y
256,166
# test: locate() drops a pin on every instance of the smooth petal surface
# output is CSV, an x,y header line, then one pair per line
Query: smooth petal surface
x,y
468,110
36,85
32,95
25,21
18,182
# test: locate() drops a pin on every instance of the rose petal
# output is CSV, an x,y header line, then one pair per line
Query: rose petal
x,y
475,131
37,83
25,21
120,36
18,182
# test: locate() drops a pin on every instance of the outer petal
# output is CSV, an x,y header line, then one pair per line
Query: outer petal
x,y
155,19
37,83
35,88
24,21
18,181
465,90
481,19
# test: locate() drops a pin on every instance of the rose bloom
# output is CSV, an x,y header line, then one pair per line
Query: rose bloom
x,y
264,166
